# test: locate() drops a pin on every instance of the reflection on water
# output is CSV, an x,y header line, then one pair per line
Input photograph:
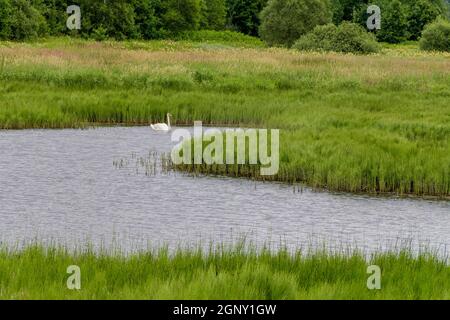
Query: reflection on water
x,y
65,186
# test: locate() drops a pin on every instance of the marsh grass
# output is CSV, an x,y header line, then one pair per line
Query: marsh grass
x,y
374,124
154,163
223,272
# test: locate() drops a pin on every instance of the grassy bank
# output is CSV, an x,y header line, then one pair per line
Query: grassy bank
x,y
238,273
375,124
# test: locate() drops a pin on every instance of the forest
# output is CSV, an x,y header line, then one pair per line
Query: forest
x,y
277,22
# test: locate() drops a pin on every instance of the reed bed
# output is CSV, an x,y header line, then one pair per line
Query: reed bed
x,y
223,272
375,124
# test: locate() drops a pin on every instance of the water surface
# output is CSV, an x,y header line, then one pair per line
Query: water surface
x,y
61,186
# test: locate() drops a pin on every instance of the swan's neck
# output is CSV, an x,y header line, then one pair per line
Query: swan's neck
x,y
168,121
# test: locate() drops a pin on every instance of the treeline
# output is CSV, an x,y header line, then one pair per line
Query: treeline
x,y
401,19
156,19
125,19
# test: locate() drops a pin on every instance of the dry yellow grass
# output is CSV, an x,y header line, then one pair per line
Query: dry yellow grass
x,y
106,56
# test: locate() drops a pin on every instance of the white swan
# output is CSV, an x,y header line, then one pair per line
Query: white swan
x,y
162,126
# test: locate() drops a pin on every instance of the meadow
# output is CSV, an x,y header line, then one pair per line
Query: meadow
x,y
238,272
373,124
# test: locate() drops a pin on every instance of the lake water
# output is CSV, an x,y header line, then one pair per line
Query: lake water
x,y
61,186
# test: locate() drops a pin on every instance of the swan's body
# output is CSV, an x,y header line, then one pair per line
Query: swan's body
x,y
162,126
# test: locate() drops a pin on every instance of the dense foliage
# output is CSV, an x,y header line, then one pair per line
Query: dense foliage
x,y
20,20
284,21
420,13
347,37
401,19
119,19
394,22
346,10
436,36
279,22
244,15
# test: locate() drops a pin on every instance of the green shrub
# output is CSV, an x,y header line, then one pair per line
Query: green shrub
x,y
100,33
226,36
347,37
284,21
436,36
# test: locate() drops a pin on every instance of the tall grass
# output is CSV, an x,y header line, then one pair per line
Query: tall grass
x,y
222,273
376,124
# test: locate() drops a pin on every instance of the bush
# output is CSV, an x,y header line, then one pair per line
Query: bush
x,y
243,15
347,37
217,36
436,36
284,21
222,37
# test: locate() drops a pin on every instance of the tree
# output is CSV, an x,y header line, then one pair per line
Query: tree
x,y
284,21
404,23
54,12
5,19
420,13
244,15
213,14
147,18
344,10
180,15
394,24
24,21
103,19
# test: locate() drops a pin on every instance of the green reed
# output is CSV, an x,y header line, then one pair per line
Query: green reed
x,y
223,272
